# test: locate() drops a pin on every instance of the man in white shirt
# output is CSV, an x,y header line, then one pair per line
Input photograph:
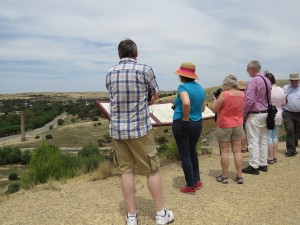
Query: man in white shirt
x,y
291,114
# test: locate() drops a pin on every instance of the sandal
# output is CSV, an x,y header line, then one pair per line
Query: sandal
x,y
244,150
270,161
223,180
275,160
239,180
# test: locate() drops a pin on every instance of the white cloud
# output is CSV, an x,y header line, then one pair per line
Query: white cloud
x,y
69,45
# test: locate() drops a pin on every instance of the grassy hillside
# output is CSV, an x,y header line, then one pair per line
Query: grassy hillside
x,y
84,133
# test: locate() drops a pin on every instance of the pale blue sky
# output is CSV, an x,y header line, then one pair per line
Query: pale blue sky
x,y
68,45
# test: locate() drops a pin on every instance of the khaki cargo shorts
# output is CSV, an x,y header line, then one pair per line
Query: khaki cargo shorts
x,y
229,134
138,153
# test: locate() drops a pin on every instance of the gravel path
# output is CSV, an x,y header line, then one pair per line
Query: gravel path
x,y
270,198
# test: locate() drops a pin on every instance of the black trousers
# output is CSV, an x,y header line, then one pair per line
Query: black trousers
x,y
291,122
186,144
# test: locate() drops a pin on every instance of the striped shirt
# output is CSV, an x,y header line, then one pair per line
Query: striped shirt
x,y
129,84
255,94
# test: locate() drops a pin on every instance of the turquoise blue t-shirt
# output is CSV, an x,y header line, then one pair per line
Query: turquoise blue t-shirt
x,y
196,95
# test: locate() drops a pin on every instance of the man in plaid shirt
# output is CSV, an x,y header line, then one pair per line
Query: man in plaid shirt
x,y
132,88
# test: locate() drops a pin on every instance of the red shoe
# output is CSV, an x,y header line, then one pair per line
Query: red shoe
x,y
188,190
198,185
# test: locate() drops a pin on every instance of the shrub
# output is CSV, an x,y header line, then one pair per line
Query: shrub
x,y
12,188
49,136
10,155
172,151
99,124
162,149
95,118
94,124
37,137
282,138
25,158
48,161
89,158
13,176
51,127
73,120
60,122
199,145
88,151
166,130
162,140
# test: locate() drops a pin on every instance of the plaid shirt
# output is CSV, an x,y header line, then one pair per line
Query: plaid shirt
x,y
129,83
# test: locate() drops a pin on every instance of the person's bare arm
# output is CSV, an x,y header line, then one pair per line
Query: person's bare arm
x,y
184,96
203,106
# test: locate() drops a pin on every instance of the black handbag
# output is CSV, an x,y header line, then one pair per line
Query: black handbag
x,y
272,110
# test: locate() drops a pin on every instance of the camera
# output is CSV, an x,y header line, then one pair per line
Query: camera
x,y
217,92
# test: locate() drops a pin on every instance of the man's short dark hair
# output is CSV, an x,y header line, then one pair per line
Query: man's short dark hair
x,y
127,48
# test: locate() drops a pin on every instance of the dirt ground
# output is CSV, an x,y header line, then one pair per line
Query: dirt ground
x,y
269,198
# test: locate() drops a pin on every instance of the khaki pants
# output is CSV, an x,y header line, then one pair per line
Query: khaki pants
x,y
137,153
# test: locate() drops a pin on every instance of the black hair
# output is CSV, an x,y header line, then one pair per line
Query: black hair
x,y
271,77
217,92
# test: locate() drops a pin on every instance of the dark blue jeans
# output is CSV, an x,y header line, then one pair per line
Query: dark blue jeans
x,y
186,144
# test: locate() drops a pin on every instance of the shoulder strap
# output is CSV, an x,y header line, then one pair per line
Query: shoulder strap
x,y
266,89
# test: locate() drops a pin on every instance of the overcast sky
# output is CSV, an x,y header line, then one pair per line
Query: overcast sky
x,y
68,45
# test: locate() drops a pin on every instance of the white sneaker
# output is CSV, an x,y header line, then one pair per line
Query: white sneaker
x,y
131,220
167,218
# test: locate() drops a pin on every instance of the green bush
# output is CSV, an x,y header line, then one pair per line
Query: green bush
x,y
60,122
172,151
10,155
199,145
37,137
51,127
73,120
89,158
13,176
162,149
12,188
25,158
95,118
162,140
49,136
282,138
49,162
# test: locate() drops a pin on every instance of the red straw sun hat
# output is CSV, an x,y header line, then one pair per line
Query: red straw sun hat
x,y
187,69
